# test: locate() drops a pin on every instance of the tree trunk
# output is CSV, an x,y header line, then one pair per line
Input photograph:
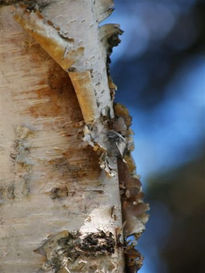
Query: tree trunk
x,y
65,155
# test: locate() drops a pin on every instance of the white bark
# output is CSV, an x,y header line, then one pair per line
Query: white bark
x,y
59,212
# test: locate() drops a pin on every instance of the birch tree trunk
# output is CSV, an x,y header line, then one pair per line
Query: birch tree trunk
x,y
67,184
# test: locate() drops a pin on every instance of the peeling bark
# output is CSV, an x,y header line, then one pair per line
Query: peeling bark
x,y
65,150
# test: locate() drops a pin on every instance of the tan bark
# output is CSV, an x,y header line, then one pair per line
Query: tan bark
x,y
60,208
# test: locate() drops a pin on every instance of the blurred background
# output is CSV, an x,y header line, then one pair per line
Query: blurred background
x,y
159,68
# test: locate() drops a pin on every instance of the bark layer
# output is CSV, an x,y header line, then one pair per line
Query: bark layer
x,y
51,184
65,149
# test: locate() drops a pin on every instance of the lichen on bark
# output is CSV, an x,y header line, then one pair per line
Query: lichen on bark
x,y
70,250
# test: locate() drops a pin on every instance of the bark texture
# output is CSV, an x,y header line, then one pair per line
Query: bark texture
x,y
62,143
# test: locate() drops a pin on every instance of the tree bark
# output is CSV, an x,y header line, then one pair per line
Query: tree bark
x,y
62,144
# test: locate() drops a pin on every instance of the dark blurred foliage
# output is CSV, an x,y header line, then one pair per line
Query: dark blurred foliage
x,y
160,70
182,192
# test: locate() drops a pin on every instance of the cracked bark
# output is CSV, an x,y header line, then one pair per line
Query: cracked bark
x,y
65,151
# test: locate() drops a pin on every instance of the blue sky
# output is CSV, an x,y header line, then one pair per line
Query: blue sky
x,y
174,132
